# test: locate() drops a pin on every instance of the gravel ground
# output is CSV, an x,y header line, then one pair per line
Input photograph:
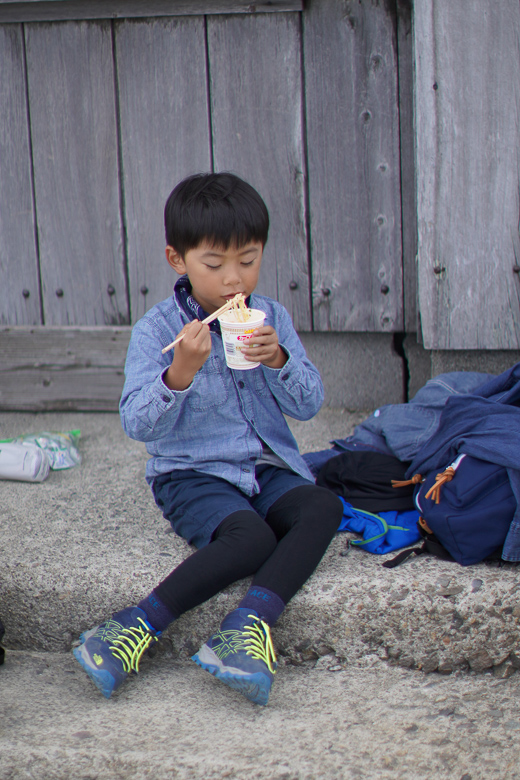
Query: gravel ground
x,y
363,714
322,721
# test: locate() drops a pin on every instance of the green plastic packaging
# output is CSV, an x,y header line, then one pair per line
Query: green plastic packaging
x,y
59,447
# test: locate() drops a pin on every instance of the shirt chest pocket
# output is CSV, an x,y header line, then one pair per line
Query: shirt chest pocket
x,y
209,389
259,383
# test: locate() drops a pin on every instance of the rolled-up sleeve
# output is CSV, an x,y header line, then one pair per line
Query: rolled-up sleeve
x,y
148,408
297,386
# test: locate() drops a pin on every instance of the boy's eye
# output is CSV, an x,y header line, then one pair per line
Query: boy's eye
x,y
248,262
214,267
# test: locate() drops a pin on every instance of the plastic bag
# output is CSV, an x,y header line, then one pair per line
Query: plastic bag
x,y
25,462
60,448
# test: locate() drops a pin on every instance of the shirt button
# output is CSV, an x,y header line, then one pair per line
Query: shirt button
x,y
166,399
241,384
285,377
247,471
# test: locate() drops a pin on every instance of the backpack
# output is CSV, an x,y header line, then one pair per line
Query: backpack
x,y
467,475
465,511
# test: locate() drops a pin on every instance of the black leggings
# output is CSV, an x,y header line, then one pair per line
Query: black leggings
x,y
281,551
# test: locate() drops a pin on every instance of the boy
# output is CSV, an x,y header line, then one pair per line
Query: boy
x,y
224,469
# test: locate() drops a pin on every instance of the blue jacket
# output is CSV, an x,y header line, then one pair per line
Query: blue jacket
x,y
486,425
218,423
402,429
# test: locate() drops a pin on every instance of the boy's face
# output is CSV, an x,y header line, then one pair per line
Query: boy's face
x,y
217,274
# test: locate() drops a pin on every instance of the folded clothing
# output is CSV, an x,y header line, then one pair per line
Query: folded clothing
x,y
382,533
364,479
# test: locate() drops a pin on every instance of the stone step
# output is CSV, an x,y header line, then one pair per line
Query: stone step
x,y
323,720
90,540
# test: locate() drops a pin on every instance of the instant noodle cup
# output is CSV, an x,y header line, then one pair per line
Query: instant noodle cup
x,y
236,334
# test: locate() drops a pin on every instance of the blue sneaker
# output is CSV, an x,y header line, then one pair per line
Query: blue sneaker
x,y
109,652
241,654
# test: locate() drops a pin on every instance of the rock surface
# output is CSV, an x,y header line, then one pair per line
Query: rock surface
x,y
351,698
323,722
90,540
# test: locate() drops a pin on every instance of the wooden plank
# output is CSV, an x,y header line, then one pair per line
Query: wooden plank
x,y
19,286
354,167
256,112
58,10
467,99
60,369
76,173
407,138
164,137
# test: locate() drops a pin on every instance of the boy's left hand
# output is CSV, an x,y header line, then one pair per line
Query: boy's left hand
x,y
263,347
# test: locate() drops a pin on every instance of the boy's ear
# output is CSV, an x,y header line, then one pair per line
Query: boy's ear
x,y
175,260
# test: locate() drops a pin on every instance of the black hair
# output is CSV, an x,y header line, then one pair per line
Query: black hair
x,y
219,208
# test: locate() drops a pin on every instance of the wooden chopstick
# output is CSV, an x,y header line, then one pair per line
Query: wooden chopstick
x,y
207,320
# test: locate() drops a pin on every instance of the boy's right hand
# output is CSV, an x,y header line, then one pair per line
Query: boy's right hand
x,y
189,355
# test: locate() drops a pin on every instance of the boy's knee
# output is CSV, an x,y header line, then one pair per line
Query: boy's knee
x,y
322,503
309,507
250,536
315,501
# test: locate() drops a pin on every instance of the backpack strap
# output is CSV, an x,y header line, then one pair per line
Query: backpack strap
x,y
430,545
397,483
403,556
435,491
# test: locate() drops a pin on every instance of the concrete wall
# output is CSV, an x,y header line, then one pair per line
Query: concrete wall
x,y
362,371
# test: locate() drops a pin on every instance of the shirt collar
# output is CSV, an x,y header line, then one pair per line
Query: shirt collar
x,y
193,309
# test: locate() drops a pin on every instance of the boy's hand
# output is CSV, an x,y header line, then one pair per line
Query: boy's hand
x,y
190,354
263,347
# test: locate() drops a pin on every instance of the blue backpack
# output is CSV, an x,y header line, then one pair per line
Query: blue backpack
x,y
465,511
467,476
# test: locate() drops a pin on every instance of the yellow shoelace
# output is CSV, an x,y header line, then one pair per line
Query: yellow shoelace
x,y
259,643
130,645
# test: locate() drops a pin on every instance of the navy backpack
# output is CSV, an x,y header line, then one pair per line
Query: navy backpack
x,y
467,477
465,512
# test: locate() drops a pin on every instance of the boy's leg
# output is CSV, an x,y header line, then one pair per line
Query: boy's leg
x,y
304,521
111,651
241,653
239,546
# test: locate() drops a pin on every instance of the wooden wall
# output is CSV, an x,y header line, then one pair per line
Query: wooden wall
x,y
467,60
102,117
383,136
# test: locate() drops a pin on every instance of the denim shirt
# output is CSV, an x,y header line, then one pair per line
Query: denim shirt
x,y
218,423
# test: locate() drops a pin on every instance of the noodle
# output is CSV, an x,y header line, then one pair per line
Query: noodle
x,y
239,308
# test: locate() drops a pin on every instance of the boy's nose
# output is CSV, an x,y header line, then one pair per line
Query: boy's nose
x,y
231,277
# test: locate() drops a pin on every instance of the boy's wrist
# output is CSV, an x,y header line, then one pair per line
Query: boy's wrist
x,y
278,361
177,380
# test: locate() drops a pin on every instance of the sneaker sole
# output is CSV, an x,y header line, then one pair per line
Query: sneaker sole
x,y
255,687
100,677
